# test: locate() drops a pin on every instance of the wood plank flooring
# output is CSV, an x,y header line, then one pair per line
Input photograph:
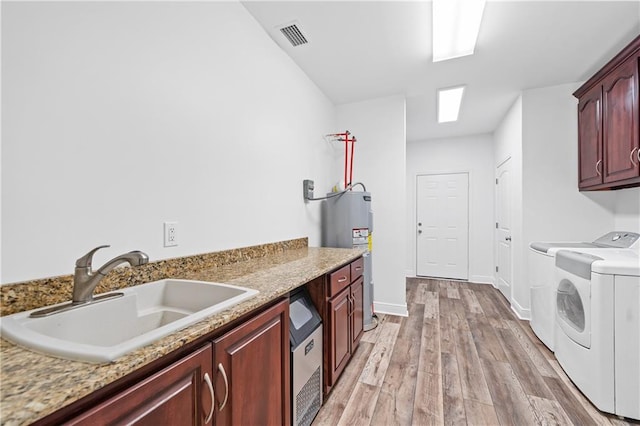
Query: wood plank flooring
x,y
461,357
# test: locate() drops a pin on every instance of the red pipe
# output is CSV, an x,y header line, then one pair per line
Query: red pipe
x,y
353,143
346,144
348,164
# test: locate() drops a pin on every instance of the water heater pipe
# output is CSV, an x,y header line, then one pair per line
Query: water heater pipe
x,y
348,162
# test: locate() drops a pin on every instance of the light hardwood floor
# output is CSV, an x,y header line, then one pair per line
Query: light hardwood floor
x,y
461,357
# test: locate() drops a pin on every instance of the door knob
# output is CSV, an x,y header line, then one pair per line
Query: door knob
x,y
507,238
419,231
419,223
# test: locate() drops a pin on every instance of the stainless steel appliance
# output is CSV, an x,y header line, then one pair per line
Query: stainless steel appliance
x,y
305,334
347,222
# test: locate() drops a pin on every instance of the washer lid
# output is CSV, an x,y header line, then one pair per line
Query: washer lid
x,y
544,247
616,239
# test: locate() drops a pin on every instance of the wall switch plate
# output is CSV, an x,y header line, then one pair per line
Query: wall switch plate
x,y
307,189
170,234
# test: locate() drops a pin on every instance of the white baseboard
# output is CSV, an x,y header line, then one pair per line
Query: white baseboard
x,y
390,309
482,279
522,313
474,279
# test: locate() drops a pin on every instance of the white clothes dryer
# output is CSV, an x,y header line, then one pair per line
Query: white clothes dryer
x,y
542,278
598,326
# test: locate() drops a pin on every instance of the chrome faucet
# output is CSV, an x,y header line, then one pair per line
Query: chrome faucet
x,y
85,279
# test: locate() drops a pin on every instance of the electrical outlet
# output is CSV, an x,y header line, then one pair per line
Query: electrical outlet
x,y
307,189
170,234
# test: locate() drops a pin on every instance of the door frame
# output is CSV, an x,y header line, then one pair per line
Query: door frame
x,y
495,219
414,214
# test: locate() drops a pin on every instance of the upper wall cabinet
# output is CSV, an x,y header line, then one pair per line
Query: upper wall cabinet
x,y
608,129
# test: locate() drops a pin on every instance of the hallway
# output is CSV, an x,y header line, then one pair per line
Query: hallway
x,y
461,357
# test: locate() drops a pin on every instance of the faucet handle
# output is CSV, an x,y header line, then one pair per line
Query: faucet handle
x,y
85,261
141,257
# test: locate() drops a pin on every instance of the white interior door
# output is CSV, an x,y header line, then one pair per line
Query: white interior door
x,y
442,226
503,228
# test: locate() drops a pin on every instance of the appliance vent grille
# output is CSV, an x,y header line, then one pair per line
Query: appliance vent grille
x,y
309,400
294,35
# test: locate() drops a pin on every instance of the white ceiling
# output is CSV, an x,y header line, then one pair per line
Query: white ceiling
x,y
369,49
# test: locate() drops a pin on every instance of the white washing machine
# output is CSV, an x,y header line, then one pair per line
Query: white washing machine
x,y
598,326
542,278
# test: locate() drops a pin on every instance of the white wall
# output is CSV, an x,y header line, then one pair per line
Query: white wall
x,y
540,132
627,210
120,116
508,135
508,145
553,208
379,126
472,154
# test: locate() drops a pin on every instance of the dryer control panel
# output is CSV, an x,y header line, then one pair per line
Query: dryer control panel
x,y
618,240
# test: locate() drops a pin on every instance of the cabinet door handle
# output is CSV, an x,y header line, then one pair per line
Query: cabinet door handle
x,y
631,156
342,279
207,380
226,386
598,167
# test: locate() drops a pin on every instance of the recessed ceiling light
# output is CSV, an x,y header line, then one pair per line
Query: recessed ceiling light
x,y
449,101
456,24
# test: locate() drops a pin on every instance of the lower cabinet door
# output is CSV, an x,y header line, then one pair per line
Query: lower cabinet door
x,y
252,371
339,337
357,318
177,395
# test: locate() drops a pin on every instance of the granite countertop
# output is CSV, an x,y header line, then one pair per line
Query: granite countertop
x,y
33,385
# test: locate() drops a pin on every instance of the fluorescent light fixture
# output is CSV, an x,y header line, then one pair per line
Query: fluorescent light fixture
x,y
456,24
449,101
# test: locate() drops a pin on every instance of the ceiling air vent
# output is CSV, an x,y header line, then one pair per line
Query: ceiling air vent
x,y
293,33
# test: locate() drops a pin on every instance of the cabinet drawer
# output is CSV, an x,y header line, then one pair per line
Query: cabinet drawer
x,y
357,268
339,279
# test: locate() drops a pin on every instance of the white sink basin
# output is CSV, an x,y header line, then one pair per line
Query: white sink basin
x,y
103,331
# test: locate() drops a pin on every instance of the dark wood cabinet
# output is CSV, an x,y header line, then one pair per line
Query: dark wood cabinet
x,y
608,124
339,298
620,122
357,311
241,377
178,394
339,316
252,370
590,138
